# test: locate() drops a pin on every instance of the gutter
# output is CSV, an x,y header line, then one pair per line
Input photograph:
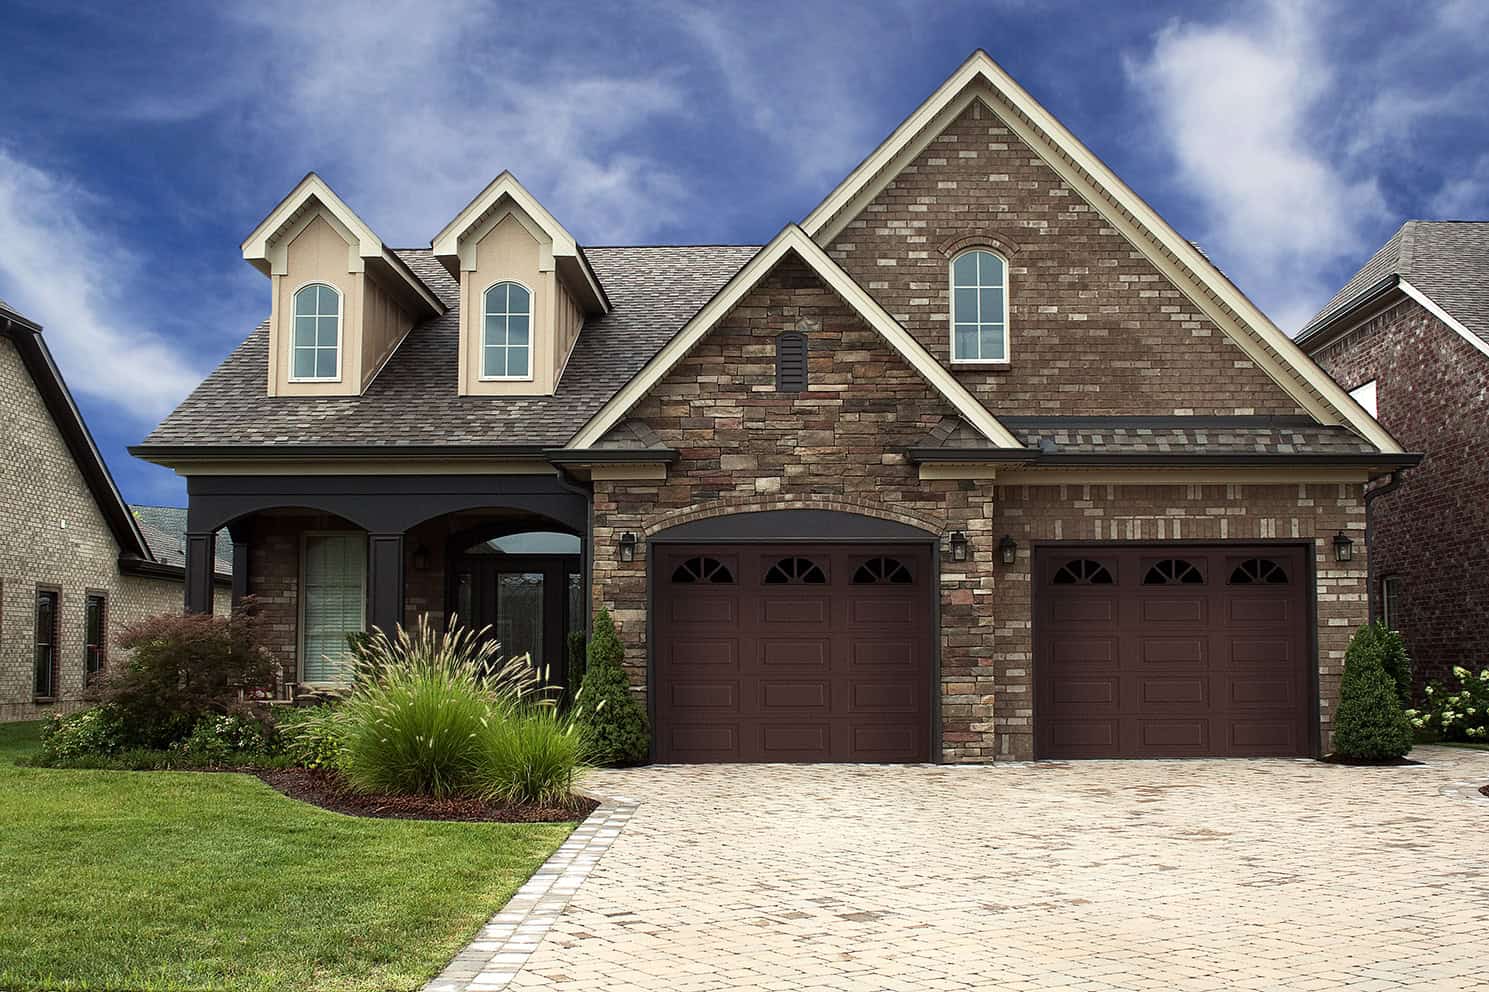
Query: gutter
x,y
1370,294
611,456
162,454
130,565
1035,457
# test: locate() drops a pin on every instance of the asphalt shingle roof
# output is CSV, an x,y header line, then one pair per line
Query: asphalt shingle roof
x,y
654,290
1447,260
164,528
1161,435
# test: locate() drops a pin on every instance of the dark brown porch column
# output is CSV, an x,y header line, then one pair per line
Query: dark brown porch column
x,y
201,553
384,582
242,535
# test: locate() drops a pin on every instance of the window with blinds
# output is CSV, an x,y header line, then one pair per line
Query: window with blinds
x,y
332,604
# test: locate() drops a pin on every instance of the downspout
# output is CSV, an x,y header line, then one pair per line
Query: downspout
x,y
1371,495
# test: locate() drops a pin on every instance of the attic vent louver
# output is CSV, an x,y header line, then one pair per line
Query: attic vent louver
x,y
791,362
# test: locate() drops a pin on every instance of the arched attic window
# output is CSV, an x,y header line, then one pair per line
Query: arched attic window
x,y
979,307
315,344
506,334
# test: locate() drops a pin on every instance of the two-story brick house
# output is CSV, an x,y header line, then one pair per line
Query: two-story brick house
x,y
1408,335
76,563
980,460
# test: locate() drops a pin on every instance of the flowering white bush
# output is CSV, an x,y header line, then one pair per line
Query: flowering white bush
x,y
1461,715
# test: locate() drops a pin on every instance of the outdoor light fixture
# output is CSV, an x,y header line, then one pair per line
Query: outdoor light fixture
x,y
1008,550
958,546
1344,548
628,546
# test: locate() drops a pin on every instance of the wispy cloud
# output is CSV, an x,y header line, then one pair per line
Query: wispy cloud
x,y
58,267
1464,196
1236,104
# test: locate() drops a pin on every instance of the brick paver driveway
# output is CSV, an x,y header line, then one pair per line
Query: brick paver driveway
x,y
1099,875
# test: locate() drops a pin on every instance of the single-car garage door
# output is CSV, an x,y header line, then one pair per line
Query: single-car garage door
x,y
1172,651
792,652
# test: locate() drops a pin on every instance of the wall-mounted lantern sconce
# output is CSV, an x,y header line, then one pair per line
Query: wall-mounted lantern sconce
x,y
421,558
958,546
1008,550
1344,548
628,546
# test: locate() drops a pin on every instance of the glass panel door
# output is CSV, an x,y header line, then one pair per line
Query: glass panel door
x,y
519,614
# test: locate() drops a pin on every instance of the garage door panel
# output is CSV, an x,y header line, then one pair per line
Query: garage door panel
x,y
795,652
794,610
1186,610
1204,652
795,695
823,654
705,695
692,653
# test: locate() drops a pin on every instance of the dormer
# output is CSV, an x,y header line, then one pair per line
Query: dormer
x,y
525,292
342,302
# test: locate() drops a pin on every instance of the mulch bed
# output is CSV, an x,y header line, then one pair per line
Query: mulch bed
x,y
1334,759
328,791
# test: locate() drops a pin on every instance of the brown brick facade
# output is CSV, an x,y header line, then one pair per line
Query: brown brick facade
x,y
1432,391
53,534
840,446
1095,329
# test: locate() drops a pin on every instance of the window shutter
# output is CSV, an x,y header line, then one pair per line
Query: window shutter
x,y
791,362
333,603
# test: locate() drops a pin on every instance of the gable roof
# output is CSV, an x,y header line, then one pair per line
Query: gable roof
x,y
1444,265
793,240
413,404
37,358
980,78
260,248
567,254
164,528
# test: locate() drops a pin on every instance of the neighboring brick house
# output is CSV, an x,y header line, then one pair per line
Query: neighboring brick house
x,y
76,564
981,460
1409,336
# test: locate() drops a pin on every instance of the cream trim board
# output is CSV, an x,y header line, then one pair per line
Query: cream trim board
x,y
340,333
792,239
1443,315
935,471
630,471
1262,341
1179,477
951,321
256,245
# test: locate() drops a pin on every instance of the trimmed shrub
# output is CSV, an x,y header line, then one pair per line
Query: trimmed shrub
x,y
181,668
535,754
96,731
1459,715
1393,657
612,717
1370,724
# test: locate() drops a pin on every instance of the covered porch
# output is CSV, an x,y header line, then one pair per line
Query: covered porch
x,y
329,556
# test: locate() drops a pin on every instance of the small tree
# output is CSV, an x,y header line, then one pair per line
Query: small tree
x,y
182,667
1371,724
614,722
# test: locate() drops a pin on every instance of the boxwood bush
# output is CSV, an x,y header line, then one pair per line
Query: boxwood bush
x,y
1370,724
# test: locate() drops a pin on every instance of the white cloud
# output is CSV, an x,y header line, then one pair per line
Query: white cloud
x,y
58,268
1238,105
1463,197
424,103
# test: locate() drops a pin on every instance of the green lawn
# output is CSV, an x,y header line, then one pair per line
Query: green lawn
x,y
178,880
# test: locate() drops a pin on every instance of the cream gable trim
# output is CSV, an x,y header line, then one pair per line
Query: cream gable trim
x,y
1442,315
265,248
793,239
447,243
980,77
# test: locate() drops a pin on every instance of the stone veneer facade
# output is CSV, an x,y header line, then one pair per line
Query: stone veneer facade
x,y
1432,393
52,534
840,446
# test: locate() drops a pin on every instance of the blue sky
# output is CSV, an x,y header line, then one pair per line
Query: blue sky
x,y
139,143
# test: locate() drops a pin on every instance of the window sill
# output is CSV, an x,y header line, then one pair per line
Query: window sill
x,y
970,366
43,700
311,382
505,378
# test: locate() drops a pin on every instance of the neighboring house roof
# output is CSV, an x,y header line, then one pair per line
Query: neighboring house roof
x,y
413,403
1444,265
37,358
164,528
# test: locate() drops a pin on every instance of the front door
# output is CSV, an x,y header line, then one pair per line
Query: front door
x,y
530,603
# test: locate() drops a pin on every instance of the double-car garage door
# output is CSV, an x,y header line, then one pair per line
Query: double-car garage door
x,y
826,652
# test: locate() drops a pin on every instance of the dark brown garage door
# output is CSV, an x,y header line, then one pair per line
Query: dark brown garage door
x,y
792,652
1172,651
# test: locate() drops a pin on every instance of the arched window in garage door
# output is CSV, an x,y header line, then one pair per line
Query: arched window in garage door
x,y
795,571
1082,572
1258,572
1173,571
703,569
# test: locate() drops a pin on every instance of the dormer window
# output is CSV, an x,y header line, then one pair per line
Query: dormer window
x,y
506,343
979,307
316,342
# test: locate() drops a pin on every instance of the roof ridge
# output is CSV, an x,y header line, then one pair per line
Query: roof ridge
x,y
1408,244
